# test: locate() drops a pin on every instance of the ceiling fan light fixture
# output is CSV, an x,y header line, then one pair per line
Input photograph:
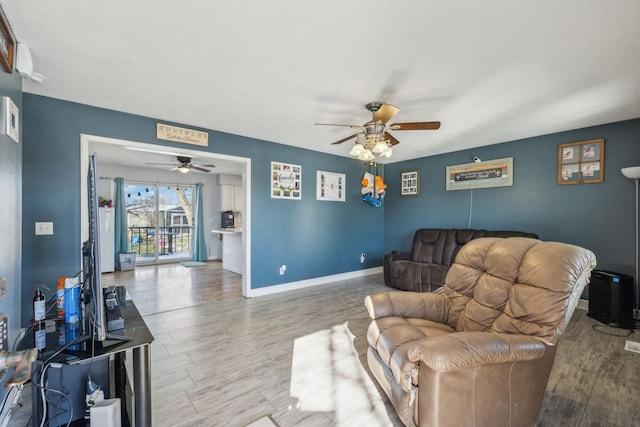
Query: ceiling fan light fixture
x,y
387,153
366,155
184,168
356,149
380,147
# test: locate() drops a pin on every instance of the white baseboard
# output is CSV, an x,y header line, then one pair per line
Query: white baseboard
x,y
269,290
583,304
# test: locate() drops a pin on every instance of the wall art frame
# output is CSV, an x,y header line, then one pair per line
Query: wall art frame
x,y
484,174
286,181
7,44
331,186
581,162
410,183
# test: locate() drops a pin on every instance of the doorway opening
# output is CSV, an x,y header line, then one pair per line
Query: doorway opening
x,y
88,144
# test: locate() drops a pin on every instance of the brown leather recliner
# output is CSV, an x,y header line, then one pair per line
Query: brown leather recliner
x,y
478,351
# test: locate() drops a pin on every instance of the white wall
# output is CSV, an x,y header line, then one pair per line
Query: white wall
x,y
210,195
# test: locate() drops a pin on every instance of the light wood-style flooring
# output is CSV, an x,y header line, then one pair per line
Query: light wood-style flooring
x,y
220,359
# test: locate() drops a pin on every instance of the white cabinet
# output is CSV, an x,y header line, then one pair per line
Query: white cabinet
x,y
107,239
237,198
232,252
231,197
232,258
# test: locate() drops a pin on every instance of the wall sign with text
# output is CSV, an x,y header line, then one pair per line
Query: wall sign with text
x,y
486,174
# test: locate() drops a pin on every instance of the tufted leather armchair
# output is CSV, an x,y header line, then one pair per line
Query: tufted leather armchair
x,y
479,350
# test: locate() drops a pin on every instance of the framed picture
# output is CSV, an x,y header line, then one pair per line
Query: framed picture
x,y
581,162
486,174
286,181
7,44
410,183
330,186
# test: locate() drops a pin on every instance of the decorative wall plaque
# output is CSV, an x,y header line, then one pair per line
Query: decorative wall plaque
x,y
184,135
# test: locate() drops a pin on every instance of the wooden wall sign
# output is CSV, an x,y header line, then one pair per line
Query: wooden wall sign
x,y
184,135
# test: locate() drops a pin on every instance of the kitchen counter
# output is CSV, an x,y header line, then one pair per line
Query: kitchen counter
x,y
227,231
232,258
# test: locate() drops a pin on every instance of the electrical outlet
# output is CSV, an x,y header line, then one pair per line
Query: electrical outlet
x,y
362,258
44,228
283,268
3,288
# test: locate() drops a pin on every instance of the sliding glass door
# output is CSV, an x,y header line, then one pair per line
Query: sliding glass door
x,y
160,221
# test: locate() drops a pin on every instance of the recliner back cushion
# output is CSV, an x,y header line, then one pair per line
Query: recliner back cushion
x,y
551,279
516,285
428,245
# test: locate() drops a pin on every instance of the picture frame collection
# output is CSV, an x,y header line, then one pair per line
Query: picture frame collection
x,y
580,162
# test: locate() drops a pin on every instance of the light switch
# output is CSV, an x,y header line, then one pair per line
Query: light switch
x,y
44,228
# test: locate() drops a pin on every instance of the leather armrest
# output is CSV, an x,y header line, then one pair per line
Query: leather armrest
x,y
430,306
460,350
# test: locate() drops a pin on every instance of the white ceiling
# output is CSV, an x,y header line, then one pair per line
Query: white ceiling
x,y
491,71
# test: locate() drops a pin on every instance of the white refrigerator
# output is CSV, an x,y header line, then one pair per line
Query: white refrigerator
x,y
107,239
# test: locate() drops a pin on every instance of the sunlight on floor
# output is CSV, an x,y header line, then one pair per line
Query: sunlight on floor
x,y
327,376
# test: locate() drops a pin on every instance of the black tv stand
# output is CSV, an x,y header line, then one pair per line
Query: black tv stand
x,y
135,337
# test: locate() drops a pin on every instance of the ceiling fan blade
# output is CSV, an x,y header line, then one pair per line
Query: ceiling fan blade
x,y
385,113
333,124
174,169
415,126
345,139
198,168
208,165
391,138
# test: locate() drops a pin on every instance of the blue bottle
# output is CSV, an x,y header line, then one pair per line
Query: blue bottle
x,y
72,310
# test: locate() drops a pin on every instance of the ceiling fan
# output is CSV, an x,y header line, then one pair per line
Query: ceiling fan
x,y
374,134
184,165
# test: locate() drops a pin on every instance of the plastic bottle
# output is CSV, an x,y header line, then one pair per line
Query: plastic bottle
x,y
60,326
72,312
39,314
72,300
60,297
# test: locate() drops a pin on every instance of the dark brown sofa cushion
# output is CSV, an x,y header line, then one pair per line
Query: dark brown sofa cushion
x,y
432,253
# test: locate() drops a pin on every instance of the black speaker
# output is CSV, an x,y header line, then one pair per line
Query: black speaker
x,y
611,299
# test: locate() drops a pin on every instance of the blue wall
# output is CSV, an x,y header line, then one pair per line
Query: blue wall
x,y
313,238
596,216
10,212
316,238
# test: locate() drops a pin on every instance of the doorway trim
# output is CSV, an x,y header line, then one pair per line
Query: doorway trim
x,y
86,140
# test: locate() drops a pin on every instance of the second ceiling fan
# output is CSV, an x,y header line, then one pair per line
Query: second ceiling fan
x,y
184,165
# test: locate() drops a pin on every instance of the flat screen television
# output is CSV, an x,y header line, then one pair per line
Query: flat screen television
x,y
95,317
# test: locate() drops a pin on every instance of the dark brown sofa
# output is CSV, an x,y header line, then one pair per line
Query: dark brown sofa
x,y
432,253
